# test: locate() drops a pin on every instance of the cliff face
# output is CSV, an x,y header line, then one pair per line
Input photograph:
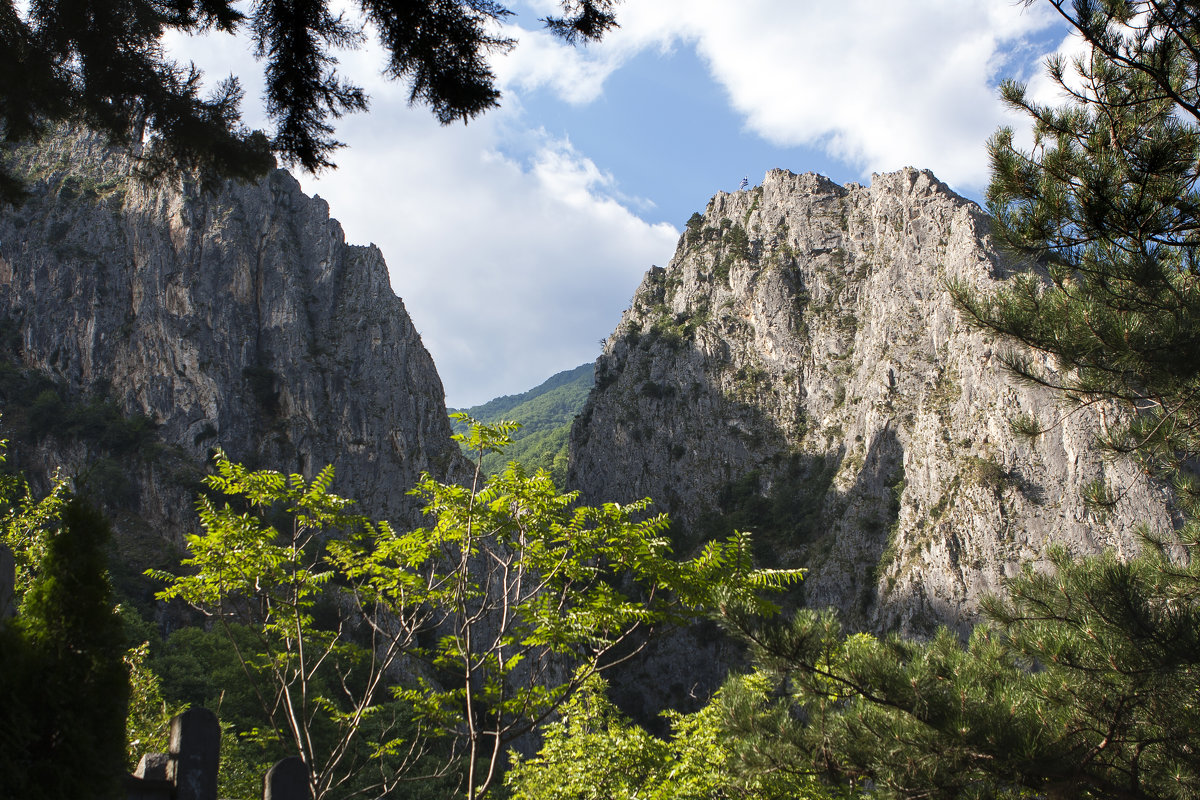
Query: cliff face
x,y
237,319
799,369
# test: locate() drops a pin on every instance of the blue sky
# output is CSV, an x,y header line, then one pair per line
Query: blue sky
x,y
667,133
517,241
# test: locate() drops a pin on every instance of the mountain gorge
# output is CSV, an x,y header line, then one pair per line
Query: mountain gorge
x,y
800,370
545,414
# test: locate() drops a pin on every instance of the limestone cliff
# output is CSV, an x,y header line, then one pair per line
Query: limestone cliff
x,y
238,318
799,366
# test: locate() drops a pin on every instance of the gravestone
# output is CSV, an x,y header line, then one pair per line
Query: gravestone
x,y
287,780
195,754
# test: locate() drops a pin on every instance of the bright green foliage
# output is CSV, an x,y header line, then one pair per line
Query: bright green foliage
x,y
264,562
29,524
593,753
148,723
590,753
529,591
511,598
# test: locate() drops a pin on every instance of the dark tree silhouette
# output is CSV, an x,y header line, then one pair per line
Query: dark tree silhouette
x,y
101,63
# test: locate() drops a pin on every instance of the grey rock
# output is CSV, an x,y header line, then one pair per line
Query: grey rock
x,y
802,348
195,754
237,318
287,780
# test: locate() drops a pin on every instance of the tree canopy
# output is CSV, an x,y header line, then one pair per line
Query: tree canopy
x,y
103,64
1106,202
64,687
499,612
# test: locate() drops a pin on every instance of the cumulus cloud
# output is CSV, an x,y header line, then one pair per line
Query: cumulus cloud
x,y
1041,88
878,85
510,270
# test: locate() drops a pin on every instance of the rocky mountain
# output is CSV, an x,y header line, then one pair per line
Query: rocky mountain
x,y
799,370
145,325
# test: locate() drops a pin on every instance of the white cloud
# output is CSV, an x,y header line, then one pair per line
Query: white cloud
x,y
540,60
878,85
1041,88
510,271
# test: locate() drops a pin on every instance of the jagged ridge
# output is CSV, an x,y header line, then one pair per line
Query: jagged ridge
x,y
800,365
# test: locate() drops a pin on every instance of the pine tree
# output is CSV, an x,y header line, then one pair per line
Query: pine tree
x,y
102,64
1106,205
1084,681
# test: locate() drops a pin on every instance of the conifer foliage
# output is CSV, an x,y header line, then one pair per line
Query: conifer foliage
x,y
64,686
1107,203
1083,682
101,63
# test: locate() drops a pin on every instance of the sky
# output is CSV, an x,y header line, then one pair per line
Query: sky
x,y
517,241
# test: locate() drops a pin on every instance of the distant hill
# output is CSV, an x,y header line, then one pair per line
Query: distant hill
x,y
545,414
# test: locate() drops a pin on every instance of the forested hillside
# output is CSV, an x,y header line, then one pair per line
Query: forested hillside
x,y
545,414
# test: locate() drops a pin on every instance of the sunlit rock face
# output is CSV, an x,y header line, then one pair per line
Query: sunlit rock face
x,y
237,318
800,364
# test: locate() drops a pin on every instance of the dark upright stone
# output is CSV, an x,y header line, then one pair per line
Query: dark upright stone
x,y
287,780
8,580
195,754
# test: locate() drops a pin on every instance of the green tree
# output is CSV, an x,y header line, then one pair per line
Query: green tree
x,y
1083,682
1106,204
502,608
102,64
260,572
1076,690
592,752
64,682
148,722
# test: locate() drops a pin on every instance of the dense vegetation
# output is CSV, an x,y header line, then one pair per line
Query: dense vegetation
x,y
545,414
64,688
501,611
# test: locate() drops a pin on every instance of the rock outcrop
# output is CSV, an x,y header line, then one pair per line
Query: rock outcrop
x,y
237,319
799,368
